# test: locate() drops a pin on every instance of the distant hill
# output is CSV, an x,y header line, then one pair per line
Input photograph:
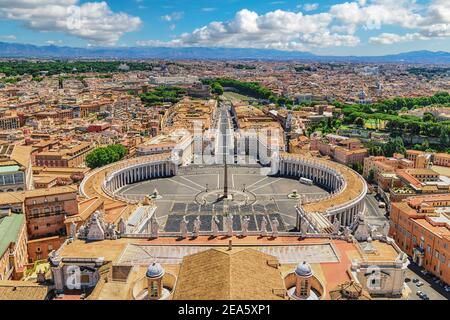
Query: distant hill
x,y
16,50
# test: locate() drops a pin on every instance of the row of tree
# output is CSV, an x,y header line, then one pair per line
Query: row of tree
x,y
105,155
15,68
251,89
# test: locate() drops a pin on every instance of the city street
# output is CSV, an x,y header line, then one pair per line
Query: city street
x,y
433,290
374,214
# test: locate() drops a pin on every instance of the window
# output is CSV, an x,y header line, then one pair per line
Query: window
x,y
304,288
154,289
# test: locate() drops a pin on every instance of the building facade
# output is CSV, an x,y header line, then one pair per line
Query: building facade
x,y
421,228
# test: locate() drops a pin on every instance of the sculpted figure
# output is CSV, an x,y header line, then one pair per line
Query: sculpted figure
x,y
275,224
122,226
264,227
197,224
154,227
215,226
73,230
183,227
336,226
230,225
245,222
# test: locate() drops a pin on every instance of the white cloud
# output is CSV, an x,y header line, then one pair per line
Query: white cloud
x,y
278,29
174,16
54,42
310,6
434,23
390,38
92,21
375,14
9,37
287,30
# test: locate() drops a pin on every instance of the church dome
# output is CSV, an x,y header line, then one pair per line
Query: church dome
x,y
155,270
303,269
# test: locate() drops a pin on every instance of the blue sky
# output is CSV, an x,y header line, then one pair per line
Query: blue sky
x,y
333,27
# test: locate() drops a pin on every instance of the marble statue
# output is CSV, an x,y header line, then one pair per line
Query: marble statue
x,y
363,230
264,227
183,227
336,226
122,226
215,226
230,225
73,230
82,232
347,232
244,223
154,227
197,224
275,224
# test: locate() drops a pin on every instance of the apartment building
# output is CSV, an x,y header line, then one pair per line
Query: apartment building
x,y
441,159
421,228
71,155
179,141
45,211
16,172
420,158
9,122
342,149
13,245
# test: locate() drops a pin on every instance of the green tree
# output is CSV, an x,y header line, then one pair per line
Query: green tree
x,y
394,145
429,117
217,88
105,155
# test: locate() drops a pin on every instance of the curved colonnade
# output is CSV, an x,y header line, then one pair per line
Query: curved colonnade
x,y
105,182
345,201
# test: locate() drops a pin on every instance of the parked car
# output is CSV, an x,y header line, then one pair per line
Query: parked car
x,y
419,284
419,293
415,280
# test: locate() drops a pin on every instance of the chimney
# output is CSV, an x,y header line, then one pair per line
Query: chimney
x,y
230,245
